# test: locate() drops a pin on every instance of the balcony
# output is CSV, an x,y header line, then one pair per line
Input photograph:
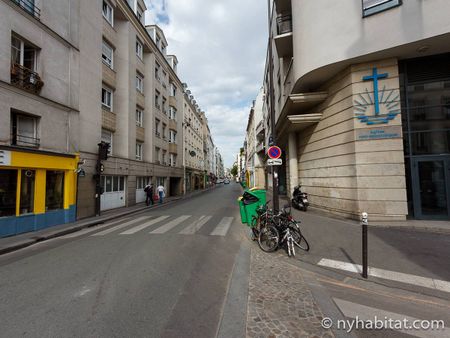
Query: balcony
x,y
26,79
25,141
283,40
29,7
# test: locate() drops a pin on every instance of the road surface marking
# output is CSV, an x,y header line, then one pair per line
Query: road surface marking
x,y
195,226
366,313
222,228
144,225
172,224
391,275
92,229
120,226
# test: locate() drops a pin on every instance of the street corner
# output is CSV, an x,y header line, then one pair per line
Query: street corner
x,y
280,304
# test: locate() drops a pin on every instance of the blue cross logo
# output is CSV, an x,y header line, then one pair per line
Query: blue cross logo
x,y
386,99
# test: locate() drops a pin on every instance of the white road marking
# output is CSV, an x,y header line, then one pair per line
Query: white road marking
x,y
144,225
386,274
172,224
222,228
366,313
91,229
195,226
120,226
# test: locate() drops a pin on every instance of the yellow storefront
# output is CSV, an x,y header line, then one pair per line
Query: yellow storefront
x,y
37,190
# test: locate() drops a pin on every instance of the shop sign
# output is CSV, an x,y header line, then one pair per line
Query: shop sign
x,y
380,107
5,157
378,133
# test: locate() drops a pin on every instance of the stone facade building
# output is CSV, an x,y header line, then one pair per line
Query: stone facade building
x,y
39,113
361,99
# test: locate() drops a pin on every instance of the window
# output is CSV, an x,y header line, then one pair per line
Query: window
x,y
107,54
173,89
157,95
139,151
172,113
23,53
8,191
24,130
164,102
157,128
140,14
139,117
375,6
107,137
157,68
108,12
164,126
26,191
157,151
139,83
139,49
107,98
54,190
172,136
164,153
173,160
142,181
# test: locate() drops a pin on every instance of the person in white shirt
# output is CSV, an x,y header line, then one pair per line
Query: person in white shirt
x,y
161,193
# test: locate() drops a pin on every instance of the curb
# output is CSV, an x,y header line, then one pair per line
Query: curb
x,y
88,224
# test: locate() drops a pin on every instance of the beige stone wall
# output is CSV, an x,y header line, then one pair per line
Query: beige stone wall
x,y
341,174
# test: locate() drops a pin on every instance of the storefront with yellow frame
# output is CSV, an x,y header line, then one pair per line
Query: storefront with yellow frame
x,y
37,190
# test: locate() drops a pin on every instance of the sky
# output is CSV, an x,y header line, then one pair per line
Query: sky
x,y
221,48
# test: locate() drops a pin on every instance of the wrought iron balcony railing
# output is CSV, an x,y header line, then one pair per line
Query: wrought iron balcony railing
x,y
284,24
26,79
25,141
29,7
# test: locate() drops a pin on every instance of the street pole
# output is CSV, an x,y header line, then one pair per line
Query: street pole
x,y
275,200
364,224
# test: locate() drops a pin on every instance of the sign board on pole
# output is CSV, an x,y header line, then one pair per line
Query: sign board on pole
x,y
275,161
274,152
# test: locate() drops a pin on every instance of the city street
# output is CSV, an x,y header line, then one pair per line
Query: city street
x,y
158,273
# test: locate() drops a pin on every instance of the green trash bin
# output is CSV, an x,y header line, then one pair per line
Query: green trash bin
x,y
250,201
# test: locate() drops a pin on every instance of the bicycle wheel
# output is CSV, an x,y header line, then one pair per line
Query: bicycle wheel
x,y
268,238
299,239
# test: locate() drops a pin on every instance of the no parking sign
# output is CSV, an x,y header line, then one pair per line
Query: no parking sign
x,y
274,152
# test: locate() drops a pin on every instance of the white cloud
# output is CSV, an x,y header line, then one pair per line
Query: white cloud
x,y
221,48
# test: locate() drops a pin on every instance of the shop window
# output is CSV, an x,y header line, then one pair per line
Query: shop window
x,y
8,192
27,192
54,190
375,6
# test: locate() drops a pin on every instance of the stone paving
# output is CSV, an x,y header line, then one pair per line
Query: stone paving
x,y
280,303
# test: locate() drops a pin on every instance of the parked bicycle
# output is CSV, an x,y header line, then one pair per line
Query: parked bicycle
x,y
276,230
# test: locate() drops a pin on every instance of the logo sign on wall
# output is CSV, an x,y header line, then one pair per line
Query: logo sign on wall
x,y
380,107
274,152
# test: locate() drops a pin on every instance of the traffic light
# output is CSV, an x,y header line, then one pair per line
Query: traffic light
x,y
103,150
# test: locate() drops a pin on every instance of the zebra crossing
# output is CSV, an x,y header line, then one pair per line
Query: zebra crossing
x,y
157,225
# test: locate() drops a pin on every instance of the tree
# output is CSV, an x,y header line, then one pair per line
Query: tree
x,y
234,170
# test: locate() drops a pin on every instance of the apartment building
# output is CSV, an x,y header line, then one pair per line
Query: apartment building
x,y
208,151
255,154
219,167
39,113
194,161
361,101
131,99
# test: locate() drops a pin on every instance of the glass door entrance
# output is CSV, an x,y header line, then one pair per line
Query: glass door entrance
x,y
431,188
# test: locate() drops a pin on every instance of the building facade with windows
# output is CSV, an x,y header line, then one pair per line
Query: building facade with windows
x,y
39,113
194,160
363,115
131,98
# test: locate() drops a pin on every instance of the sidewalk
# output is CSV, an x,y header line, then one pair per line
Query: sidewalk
x,y
12,243
421,225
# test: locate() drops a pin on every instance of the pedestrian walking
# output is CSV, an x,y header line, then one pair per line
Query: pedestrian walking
x,y
161,193
149,194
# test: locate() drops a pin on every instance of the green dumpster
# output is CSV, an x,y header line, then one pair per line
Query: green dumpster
x,y
249,202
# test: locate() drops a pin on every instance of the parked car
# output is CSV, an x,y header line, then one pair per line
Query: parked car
x,y
219,181
226,181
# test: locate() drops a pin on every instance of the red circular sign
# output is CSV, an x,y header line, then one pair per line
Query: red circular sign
x,y
274,152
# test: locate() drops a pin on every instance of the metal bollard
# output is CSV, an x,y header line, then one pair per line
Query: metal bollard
x,y
364,243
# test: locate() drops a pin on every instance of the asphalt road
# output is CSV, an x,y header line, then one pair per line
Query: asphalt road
x,y
121,280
